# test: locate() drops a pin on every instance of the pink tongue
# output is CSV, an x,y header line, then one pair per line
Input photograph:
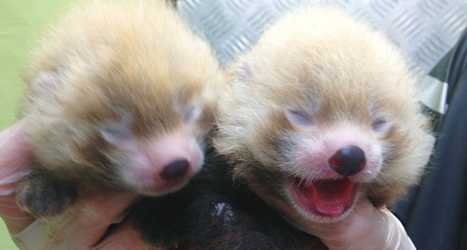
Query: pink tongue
x,y
328,198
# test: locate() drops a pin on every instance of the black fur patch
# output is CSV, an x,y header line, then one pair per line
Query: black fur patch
x,y
213,212
44,195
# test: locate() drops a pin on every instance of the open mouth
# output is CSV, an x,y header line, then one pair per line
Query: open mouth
x,y
324,198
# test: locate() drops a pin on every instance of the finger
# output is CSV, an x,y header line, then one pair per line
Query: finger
x,y
15,152
364,226
97,211
80,227
84,225
123,238
15,156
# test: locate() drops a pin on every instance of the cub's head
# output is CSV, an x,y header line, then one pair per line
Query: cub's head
x,y
320,113
123,91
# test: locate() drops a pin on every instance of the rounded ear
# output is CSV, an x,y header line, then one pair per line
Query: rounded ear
x,y
244,73
45,82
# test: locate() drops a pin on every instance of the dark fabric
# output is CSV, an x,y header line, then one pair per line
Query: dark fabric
x,y
435,213
403,207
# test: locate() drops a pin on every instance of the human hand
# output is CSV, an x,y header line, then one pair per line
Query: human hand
x,y
97,221
365,228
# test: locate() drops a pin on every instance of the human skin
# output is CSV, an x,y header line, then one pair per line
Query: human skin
x,y
366,227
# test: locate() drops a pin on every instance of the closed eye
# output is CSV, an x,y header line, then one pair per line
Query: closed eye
x,y
298,118
115,133
190,114
380,126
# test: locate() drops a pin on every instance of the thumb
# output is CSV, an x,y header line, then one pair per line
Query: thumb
x,y
365,228
15,156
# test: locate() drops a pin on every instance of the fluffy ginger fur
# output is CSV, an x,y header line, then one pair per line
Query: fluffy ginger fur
x,y
107,83
318,78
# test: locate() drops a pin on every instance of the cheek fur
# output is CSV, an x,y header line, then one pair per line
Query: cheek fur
x,y
399,167
269,138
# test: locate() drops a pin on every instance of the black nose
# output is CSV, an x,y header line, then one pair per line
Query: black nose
x,y
348,160
175,169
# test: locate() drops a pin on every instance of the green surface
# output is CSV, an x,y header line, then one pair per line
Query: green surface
x,y
21,22
5,242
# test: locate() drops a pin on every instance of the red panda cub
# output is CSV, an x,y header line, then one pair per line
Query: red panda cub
x,y
320,113
119,92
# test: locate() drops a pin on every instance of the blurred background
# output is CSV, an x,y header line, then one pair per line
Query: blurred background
x,y
21,23
426,30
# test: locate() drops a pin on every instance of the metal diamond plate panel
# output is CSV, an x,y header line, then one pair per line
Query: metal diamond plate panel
x,y
424,29
381,7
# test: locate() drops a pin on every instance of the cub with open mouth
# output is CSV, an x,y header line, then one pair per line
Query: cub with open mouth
x,y
322,112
